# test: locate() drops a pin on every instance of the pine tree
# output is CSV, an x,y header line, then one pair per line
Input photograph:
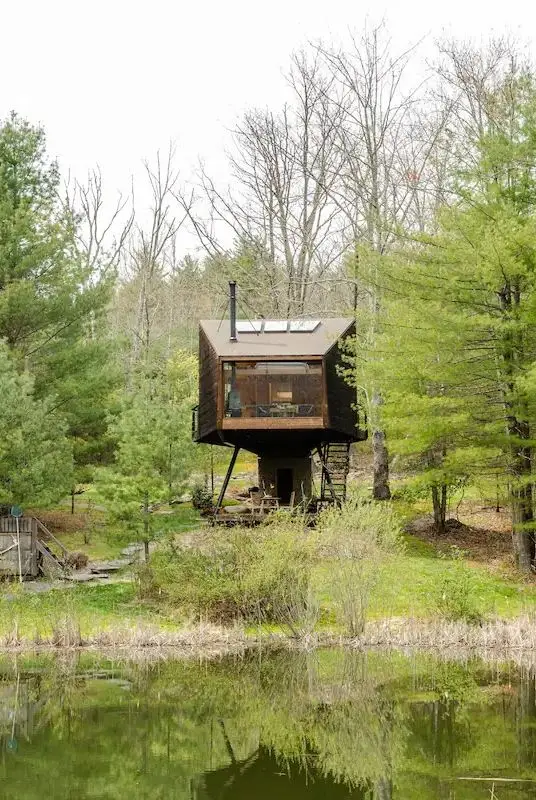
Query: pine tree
x,y
155,455
35,455
430,418
52,304
472,287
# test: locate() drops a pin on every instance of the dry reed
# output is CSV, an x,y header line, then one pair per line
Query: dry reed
x,y
499,639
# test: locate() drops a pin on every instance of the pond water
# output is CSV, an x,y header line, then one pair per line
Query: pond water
x,y
329,724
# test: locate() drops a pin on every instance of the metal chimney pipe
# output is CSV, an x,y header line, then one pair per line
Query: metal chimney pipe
x,y
232,305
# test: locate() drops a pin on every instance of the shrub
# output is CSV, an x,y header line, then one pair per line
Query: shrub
x,y
455,596
410,491
201,497
360,539
253,574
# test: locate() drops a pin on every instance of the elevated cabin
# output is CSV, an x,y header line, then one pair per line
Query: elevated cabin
x,y
274,387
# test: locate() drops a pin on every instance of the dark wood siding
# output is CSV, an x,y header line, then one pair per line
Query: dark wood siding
x,y
342,415
208,387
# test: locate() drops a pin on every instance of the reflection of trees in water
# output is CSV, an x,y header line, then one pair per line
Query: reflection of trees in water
x,y
306,720
319,725
261,776
328,724
436,731
440,727
525,720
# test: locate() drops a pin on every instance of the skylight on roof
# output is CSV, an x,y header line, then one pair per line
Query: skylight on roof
x,y
249,326
303,325
276,326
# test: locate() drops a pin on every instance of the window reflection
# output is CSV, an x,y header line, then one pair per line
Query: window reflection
x,y
273,388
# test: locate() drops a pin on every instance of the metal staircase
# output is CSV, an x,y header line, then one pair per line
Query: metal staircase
x,y
335,461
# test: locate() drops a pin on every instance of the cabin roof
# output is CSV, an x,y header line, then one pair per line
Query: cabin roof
x,y
287,344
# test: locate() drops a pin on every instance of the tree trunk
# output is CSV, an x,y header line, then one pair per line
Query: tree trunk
x,y
383,789
521,494
381,490
72,499
146,527
170,473
439,500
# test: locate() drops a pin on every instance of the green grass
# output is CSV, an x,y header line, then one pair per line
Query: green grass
x,y
102,540
102,544
94,608
408,586
406,589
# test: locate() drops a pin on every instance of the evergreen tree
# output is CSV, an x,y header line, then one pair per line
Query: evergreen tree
x,y
35,455
52,304
155,455
472,289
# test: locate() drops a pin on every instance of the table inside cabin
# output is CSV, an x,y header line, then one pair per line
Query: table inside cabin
x,y
283,410
273,410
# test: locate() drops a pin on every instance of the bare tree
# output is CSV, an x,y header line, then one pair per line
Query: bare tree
x,y
378,187
103,231
280,206
481,86
151,248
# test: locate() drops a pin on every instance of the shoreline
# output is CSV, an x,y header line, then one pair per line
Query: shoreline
x,y
507,638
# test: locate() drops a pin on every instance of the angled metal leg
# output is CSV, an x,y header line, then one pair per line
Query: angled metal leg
x,y
227,479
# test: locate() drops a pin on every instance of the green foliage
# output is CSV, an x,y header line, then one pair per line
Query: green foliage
x,y
360,540
454,328
201,497
51,303
35,455
456,594
256,574
155,455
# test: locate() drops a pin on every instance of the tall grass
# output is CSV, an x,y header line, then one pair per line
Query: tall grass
x,y
359,540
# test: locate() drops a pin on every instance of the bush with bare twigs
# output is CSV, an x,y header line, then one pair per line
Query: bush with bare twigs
x,y
258,575
359,540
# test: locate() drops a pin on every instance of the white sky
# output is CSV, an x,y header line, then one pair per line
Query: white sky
x,y
114,81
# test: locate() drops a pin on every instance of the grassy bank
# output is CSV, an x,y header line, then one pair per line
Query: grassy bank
x,y
91,609
412,585
89,530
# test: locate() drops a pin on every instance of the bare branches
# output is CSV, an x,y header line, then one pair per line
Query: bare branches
x,y
151,252
102,232
384,145
481,88
279,208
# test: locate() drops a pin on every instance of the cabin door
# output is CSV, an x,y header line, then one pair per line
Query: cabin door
x,y
285,484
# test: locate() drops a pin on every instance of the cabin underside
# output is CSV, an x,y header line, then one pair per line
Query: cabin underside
x,y
291,442
309,481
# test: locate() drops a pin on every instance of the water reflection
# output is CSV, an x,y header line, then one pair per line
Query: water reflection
x,y
331,724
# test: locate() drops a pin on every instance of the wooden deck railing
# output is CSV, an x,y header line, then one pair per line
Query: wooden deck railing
x,y
47,536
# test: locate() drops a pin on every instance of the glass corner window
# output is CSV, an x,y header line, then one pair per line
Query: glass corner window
x,y
272,389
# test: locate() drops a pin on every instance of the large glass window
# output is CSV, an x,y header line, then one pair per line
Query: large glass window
x,y
273,388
